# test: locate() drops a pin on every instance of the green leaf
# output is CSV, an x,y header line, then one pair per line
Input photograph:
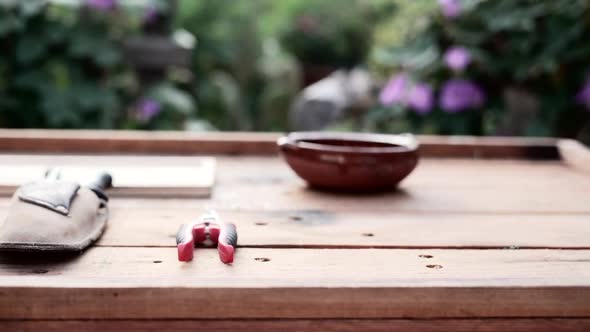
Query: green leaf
x,y
90,97
418,55
87,96
32,7
538,129
30,48
174,98
9,23
84,43
31,80
59,111
55,32
107,56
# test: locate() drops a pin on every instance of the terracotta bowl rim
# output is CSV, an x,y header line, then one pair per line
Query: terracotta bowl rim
x,y
399,143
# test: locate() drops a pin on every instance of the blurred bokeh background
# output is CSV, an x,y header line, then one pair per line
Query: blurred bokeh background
x,y
469,67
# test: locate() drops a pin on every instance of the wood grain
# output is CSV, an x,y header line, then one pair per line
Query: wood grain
x,y
103,141
437,185
286,278
448,172
247,170
141,142
132,283
312,229
488,147
497,206
294,195
297,198
310,325
135,267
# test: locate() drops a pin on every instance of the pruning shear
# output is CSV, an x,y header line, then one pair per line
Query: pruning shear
x,y
207,230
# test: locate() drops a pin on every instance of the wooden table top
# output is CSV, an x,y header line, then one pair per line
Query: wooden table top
x,y
466,243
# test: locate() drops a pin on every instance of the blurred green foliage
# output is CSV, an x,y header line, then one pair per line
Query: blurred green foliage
x,y
529,56
243,81
320,32
249,54
49,66
63,63
62,66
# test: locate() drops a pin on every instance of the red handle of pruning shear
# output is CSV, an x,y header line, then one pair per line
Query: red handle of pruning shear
x,y
207,228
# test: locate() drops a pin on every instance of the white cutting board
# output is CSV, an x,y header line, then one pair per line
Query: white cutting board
x,y
132,176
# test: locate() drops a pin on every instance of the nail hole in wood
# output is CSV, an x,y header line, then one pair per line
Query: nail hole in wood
x,y
262,259
368,234
40,271
425,256
434,266
261,223
157,262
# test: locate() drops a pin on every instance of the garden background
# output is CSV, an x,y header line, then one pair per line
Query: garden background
x,y
472,67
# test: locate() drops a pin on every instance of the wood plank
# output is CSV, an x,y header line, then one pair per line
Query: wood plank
x,y
140,142
310,325
304,228
415,199
295,196
135,267
156,227
171,142
488,147
450,173
476,186
246,170
496,206
133,283
436,185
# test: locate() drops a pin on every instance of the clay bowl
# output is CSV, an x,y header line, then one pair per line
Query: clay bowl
x,y
350,161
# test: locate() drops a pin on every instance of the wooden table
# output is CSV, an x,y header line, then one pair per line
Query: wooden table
x,y
487,234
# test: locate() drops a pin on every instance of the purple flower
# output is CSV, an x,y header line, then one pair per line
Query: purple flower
x,y
103,5
583,96
395,90
147,109
399,90
459,94
457,58
450,8
150,15
421,98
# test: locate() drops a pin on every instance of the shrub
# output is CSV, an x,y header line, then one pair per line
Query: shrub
x,y
493,67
